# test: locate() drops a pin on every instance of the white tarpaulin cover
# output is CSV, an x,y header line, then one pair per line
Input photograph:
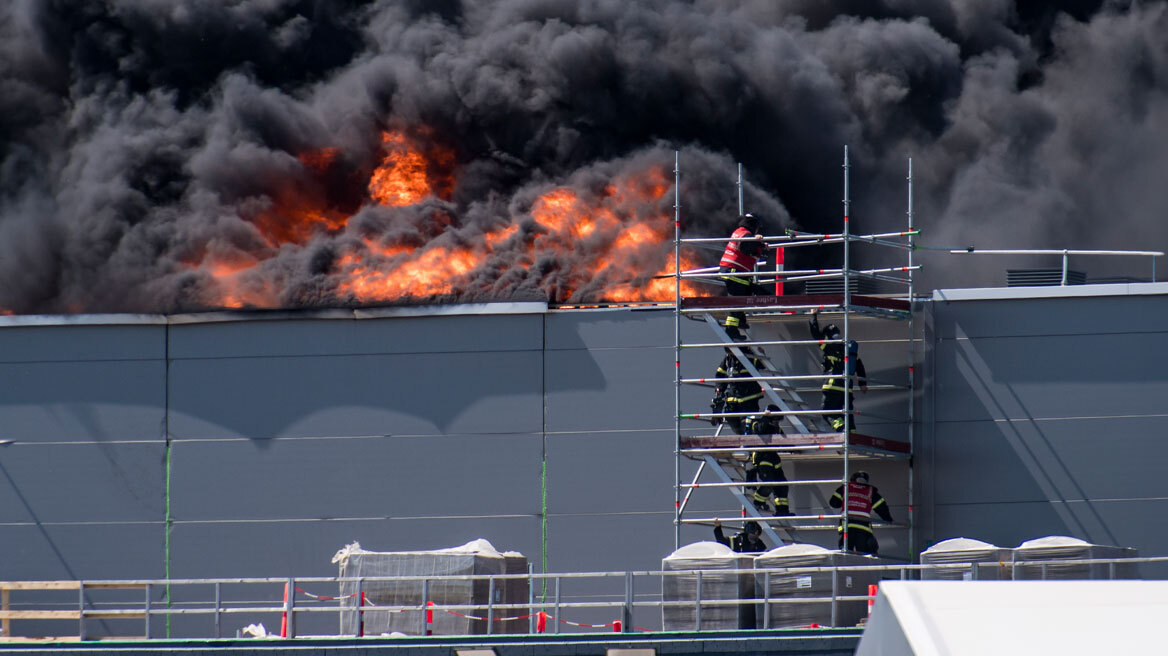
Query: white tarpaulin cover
x,y
966,550
712,559
1061,547
959,618
475,558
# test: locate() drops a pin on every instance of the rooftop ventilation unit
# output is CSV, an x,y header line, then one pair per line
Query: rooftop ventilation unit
x,y
1043,277
836,286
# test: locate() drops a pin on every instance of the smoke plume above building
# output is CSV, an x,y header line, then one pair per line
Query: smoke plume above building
x,y
175,155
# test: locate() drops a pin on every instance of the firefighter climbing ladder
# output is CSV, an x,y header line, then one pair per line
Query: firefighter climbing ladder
x,y
805,434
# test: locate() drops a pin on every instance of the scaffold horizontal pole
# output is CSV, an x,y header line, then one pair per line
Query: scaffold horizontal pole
x,y
778,342
759,308
739,379
761,413
777,449
786,518
825,481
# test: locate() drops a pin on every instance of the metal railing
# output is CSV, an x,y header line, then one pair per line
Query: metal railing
x,y
290,601
1064,253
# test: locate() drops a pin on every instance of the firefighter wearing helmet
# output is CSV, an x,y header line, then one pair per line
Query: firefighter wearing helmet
x,y
834,365
863,500
748,541
741,256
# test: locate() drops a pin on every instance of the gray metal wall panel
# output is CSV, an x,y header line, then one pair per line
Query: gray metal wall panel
x,y
618,329
1050,460
456,334
610,472
604,543
306,548
1051,316
1040,377
81,343
435,476
87,483
1123,522
1081,390
439,393
82,400
609,389
89,551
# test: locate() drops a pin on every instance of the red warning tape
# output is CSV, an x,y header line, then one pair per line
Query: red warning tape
x,y
323,597
541,617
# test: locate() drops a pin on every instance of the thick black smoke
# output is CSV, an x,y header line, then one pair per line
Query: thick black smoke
x,y
139,136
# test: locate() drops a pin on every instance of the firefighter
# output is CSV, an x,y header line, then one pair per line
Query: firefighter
x,y
748,541
736,396
833,364
767,466
863,500
741,256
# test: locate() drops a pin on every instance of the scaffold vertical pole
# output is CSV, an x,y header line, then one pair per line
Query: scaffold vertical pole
x,y
912,357
847,355
676,349
741,205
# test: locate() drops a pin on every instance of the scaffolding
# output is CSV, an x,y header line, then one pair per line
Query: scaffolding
x,y
804,434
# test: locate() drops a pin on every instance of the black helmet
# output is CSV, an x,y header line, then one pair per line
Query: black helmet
x,y
749,221
860,475
831,331
751,527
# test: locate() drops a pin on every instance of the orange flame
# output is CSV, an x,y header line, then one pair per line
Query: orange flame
x,y
407,176
602,245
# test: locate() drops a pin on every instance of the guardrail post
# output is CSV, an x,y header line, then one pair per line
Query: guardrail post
x,y
556,623
290,607
218,608
834,594
531,619
698,604
766,600
360,628
149,590
490,603
81,610
1042,571
627,615
1111,570
427,614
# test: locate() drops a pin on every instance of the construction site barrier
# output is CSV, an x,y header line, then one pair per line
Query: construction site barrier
x,y
86,609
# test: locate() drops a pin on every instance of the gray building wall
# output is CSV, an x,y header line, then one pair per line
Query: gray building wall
x,y
277,440
1044,413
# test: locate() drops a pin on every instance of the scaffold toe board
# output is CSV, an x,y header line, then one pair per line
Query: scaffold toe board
x,y
856,440
796,301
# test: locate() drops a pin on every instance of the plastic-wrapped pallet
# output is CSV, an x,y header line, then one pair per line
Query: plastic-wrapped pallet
x,y
779,586
965,550
712,559
515,591
1061,547
474,558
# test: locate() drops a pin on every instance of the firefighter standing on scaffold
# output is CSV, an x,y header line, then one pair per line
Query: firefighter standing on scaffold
x,y
833,364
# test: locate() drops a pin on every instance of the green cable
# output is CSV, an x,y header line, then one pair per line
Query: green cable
x,y
544,527
166,537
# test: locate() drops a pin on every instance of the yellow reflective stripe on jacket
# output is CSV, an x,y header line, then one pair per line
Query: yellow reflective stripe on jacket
x,y
859,527
743,399
741,281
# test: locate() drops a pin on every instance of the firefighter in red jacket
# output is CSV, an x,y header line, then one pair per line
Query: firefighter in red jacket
x,y
863,500
741,256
